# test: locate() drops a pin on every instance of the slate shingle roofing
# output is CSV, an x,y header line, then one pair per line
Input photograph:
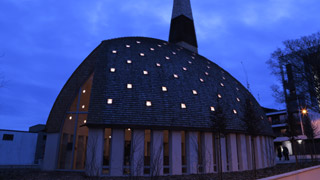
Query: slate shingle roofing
x,y
134,70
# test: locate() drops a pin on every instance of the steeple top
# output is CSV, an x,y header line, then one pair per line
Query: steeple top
x,y
182,7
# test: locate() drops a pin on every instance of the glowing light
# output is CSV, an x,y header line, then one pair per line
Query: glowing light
x,y
219,96
175,76
129,61
164,88
129,129
127,45
148,103
70,117
84,121
112,69
183,106
141,54
83,106
109,137
212,108
152,49
138,42
189,62
206,73
299,141
238,99
208,67
84,91
167,58
192,57
114,51
234,111
194,92
129,86
145,72
304,111
174,53
221,84
184,68
109,101
201,80
159,45
158,64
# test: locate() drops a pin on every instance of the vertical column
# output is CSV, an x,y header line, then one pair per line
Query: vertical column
x,y
156,153
232,146
117,152
273,153
258,154
266,139
94,159
223,153
249,152
51,152
263,151
192,151
242,152
175,152
137,152
207,152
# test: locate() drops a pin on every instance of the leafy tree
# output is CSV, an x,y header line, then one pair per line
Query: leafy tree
x,y
303,55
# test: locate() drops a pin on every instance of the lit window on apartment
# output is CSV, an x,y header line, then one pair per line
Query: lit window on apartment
x,y
183,106
221,84
194,92
201,80
175,76
127,45
212,108
158,64
83,91
167,58
145,72
141,54
138,42
148,103
129,86
109,101
112,69
129,61
114,51
151,49
184,68
219,96
164,88
234,111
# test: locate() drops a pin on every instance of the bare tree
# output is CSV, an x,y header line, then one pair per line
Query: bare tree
x,y
304,56
218,119
252,126
311,131
292,133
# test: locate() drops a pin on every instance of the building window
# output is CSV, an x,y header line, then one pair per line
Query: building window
x,y
106,151
7,137
183,152
147,150
166,163
127,152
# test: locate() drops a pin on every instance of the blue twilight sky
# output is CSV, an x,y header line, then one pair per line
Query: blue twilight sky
x,y
43,41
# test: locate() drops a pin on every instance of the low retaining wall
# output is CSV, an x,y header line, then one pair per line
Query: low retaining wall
x,y
302,174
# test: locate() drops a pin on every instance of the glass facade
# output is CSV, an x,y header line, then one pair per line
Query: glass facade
x,y
74,135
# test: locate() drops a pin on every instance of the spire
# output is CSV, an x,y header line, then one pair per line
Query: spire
x,y
182,30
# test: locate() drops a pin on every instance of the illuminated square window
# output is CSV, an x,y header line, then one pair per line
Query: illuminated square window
x,y
114,51
158,64
164,88
212,108
127,45
145,72
109,101
189,62
206,73
129,61
175,76
167,58
194,92
138,42
238,99
112,69
183,106
141,54
234,111
184,68
174,53
148,103
159,45
219,96
152,49
221,84
129,86
201,80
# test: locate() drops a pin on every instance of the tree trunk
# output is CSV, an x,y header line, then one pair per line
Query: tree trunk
x,y
253,158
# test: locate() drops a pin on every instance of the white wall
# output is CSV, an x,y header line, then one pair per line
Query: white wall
x,y
20,151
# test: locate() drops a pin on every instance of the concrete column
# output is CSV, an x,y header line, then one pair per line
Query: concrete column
x,y
258,154
207,151
156,153
117,152
192,152
94,159
137,152
249,152
263,151
51,153
232,147
223,144
242,152
266,139
175,152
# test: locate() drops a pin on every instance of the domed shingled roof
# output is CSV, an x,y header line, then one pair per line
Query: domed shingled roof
x,y
155,84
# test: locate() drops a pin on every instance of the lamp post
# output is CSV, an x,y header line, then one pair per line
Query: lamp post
x,y
304,112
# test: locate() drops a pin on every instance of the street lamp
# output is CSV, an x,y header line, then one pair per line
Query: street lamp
x,y
304,111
